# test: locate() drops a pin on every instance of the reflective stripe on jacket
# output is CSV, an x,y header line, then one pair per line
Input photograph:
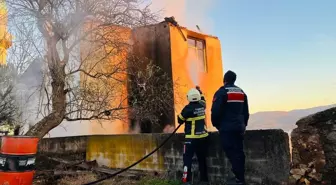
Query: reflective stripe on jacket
x,y
230,111
193,115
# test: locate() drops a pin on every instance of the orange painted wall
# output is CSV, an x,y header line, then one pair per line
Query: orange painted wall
x,y
209,81
117,40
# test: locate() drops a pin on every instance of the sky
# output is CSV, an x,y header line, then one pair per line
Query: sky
x,y
283,51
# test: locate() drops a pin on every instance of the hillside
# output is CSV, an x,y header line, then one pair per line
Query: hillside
x,y
281,119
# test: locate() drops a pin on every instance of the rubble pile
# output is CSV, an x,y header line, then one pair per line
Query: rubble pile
x,y
314,149
306,174
307,155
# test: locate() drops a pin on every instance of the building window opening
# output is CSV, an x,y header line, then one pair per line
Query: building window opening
x,y
196,53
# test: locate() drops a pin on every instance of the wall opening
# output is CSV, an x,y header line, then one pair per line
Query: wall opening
x,y
197,53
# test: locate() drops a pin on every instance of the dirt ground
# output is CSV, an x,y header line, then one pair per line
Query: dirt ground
x,y
82,179
79,180
51,172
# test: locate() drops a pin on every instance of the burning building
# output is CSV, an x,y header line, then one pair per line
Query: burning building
x,y
189,57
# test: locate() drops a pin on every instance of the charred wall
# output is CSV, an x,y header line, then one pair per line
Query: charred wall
x,y
152,43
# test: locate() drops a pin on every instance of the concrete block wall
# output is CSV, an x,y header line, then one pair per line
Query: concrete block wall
x,y
267,155
120,151
71,148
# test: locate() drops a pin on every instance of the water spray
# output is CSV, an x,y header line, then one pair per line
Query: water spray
x,y
193,72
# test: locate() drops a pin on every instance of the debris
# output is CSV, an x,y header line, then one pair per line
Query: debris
x,y
306,174
315,176
93,166
314,143
304,181
300,172
296,177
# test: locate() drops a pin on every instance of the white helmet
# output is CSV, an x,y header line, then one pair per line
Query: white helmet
x,y
194,95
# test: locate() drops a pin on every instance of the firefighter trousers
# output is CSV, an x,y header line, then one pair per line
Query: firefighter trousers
x,y
233,145
200,147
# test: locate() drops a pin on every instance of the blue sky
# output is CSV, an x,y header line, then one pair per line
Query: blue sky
x,y
283,51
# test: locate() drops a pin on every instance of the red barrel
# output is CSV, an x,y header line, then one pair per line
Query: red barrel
x,y
17,160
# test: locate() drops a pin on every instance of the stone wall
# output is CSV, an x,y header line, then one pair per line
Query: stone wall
x,y
307,154
314,146
267,152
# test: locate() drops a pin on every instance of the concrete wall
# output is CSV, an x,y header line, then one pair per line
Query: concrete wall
x,y
72,148
267,153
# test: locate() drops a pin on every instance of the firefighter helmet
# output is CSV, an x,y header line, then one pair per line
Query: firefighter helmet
x,y
193,95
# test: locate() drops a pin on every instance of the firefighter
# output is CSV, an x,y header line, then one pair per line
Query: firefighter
x,y
230,114
196,135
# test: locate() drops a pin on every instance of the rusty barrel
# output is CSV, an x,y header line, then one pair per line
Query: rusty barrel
x,y
17,160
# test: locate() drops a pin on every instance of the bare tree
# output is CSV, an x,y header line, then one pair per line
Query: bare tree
x,y
8,107
85,45
152,96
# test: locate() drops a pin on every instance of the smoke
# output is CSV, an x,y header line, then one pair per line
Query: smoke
x,y
188,13
167,8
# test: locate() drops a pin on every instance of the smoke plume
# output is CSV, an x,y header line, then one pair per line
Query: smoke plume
x,y
188,13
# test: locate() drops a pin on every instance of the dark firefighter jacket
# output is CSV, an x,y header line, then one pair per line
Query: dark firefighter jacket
x,y
229,111
194,116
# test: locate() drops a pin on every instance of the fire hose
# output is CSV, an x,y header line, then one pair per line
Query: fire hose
x,y
139,161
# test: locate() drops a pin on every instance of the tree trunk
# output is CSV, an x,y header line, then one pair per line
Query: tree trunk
x,y
56,117
58,94
41,128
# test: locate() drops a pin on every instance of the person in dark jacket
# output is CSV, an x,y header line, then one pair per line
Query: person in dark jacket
x,y
196,135
230,115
